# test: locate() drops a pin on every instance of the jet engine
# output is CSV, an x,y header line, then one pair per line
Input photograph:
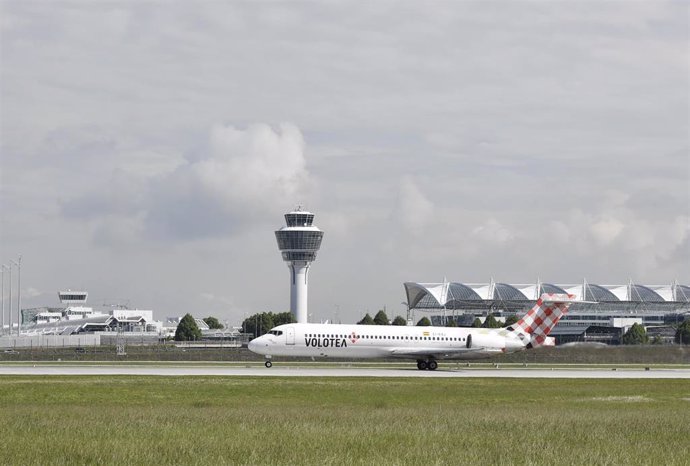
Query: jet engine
x,y
479,340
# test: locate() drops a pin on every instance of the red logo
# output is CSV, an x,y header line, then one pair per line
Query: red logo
x,y
354,338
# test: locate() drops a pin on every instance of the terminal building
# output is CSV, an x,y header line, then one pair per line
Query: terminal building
x,y
75,317
602,306
76,324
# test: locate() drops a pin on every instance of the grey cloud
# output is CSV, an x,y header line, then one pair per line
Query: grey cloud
x,y
515,121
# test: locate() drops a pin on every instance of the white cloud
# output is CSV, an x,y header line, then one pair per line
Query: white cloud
x,y
252,168
415,212
241,177
247,177
492,231
606,230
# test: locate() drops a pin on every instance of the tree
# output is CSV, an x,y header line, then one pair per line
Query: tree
x,y
366,320
381,318
283,318
510,320
491,322
636,335
187,329
424,322
399,321
477,323
213,323
451,323
683,333
258,324
262,322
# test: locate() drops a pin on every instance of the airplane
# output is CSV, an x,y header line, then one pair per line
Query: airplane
x,y
425,344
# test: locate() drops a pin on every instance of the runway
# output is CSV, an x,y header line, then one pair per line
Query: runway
x,y
307,371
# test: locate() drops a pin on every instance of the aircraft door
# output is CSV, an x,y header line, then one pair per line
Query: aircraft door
x,y
290,334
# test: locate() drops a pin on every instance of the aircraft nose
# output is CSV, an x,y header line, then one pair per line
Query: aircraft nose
x,y
252,345
257,344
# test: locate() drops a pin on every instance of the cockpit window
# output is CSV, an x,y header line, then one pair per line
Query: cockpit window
x,y
276,332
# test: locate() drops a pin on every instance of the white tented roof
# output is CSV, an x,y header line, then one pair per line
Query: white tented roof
x,y
439,295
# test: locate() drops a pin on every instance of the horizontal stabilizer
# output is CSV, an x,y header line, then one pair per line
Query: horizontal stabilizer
x,y
549,298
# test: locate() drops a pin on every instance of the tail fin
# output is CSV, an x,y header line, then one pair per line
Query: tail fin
x,y
543,317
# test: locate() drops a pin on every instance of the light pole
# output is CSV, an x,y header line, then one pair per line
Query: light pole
x,y
18,263
407,305
9,312
2,315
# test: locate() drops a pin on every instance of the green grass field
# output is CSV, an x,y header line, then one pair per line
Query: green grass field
x,y
227,420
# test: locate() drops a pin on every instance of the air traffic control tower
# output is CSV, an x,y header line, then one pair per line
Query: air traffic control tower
x,y
298,243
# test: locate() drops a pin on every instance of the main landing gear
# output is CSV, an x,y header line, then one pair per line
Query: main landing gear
x,y
424,364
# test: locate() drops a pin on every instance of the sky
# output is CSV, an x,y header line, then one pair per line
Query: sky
x,y
150,149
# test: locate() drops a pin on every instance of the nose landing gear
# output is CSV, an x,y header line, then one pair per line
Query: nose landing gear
x,y
424,364
268,364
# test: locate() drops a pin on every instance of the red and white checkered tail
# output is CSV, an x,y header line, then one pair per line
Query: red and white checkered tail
x,y
543,317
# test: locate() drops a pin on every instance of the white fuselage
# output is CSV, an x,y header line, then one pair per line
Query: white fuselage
x,y
383,341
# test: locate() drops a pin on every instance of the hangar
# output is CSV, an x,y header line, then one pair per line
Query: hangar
x,y
601,305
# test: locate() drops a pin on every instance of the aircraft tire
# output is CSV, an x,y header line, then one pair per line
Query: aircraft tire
x,y
432,365
422,365
268,364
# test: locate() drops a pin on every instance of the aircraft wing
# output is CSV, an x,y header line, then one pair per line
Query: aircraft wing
x,y
445,353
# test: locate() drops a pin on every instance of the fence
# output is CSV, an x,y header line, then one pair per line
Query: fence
x,y
49,341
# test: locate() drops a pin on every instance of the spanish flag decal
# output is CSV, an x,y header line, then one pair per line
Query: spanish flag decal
x,y
426,334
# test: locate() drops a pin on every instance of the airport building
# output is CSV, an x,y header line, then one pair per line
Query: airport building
x,y
76,317
76,324
601,307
